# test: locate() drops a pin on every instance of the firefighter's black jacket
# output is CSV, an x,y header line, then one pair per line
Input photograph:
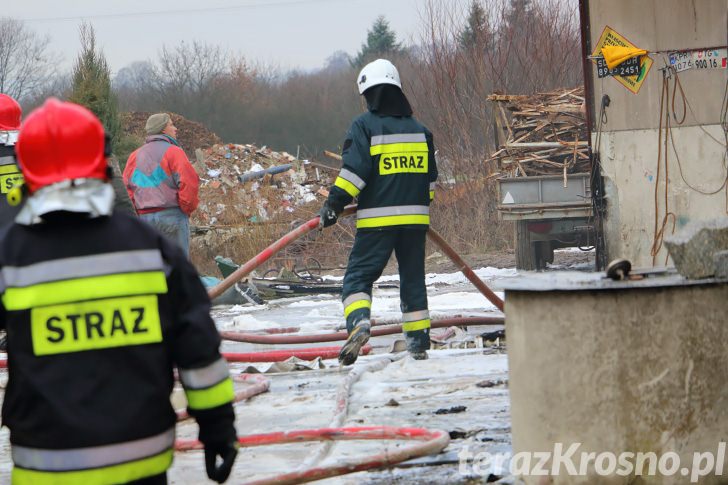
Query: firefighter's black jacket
x,y
389,164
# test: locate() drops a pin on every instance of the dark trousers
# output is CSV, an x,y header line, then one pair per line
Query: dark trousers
x,y
369,256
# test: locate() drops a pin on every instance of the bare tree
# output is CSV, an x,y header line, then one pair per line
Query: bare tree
x,y
25,63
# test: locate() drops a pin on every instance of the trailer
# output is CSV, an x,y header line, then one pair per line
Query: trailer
x,y
549,212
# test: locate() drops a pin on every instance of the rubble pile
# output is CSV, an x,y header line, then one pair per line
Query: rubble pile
x,y
242,184
541,134
250,197
190,134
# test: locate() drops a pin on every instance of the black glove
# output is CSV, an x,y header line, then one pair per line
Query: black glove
x,y
328,216
227,452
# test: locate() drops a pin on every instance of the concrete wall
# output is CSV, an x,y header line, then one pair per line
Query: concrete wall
x,y
619,370
629,144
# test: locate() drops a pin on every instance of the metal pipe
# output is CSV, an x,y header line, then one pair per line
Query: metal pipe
x,y
465,269
433,442
260,173
256,338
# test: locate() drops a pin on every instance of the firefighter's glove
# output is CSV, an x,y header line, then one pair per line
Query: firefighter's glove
x,y
227,452
328,216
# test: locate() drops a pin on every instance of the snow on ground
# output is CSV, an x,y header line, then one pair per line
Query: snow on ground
x,y
404,393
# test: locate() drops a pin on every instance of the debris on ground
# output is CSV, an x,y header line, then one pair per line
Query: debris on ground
x,y
452,410
541,134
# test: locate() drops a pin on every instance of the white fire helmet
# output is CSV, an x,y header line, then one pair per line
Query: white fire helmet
x,y
377,72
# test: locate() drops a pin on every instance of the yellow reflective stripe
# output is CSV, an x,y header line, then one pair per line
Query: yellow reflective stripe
x,y
400,220
94,287
347,186
432,194
357,305
12,168
123,473
416,325
211,397
398,148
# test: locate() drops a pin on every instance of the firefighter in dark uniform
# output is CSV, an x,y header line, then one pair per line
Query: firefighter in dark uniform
x,y
99,309
10,176
389,165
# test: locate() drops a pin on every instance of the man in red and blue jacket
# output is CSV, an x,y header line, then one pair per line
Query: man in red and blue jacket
x,y
161,181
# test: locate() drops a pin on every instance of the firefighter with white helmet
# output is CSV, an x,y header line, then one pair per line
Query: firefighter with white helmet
x,y
99,309
389,165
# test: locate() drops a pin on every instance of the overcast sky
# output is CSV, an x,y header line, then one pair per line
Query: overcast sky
x,y
282,33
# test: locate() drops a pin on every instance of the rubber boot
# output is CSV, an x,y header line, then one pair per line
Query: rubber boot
x,y
357,338
418,354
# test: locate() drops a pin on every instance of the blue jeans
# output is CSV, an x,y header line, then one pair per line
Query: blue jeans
x,y
172,223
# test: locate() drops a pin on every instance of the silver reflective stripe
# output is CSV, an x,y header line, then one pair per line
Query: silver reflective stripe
x,y
7,161
79,267
350,176
400,138
356,297
204,377
395,210
91,457
432,185
415,316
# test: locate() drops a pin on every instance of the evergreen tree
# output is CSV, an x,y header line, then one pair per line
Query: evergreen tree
x,y
92,83
476,27
381,42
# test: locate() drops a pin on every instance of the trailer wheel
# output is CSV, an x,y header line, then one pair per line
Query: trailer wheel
x,y
525,253
544,253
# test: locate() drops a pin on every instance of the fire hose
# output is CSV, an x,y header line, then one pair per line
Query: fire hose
x,y
282,355
342,403
432,442
274,355
306,227
257,338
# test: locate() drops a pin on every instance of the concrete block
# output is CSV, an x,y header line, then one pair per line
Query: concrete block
x,y
720,259
692,248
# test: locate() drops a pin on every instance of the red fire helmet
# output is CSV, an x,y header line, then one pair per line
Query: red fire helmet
x,y
9,113
60,141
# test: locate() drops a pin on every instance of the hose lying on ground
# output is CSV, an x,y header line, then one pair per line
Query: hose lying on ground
x,y
282,355
432,442
257,338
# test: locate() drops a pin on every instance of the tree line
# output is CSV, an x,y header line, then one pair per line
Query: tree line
x,y
464,51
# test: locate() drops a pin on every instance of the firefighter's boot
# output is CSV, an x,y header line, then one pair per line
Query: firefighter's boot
x,y
357,338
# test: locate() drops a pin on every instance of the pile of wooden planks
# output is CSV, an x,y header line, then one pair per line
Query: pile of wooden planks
x,y
541,134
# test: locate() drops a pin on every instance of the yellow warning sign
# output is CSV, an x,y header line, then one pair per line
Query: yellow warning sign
x,y
611,37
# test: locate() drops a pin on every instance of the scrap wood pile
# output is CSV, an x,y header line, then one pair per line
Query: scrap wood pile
x,y
250,197
541,134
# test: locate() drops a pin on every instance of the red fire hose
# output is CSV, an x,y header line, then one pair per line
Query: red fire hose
x,y
275,355
281,355
257,338
306,227
266,254
432,442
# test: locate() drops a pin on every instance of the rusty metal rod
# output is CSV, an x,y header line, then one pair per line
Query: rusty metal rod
x,y
465,269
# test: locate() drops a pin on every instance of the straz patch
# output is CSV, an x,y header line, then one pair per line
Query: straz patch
x,y
10,180
98,324
403,162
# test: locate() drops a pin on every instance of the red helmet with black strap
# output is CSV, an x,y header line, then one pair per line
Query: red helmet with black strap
x,y
10,113
61,141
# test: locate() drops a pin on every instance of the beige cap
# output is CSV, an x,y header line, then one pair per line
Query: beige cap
x,y
156,123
